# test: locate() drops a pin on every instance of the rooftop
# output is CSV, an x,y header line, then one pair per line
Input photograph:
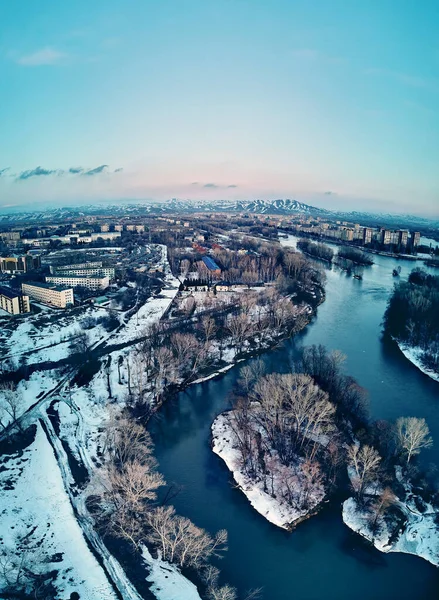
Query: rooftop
x,y
5,291
48,286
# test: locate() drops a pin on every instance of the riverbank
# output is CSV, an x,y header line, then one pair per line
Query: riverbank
x,y
412,532
414,355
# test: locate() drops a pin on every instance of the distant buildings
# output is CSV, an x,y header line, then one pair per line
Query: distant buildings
x,y
416,238
367,235
13,302
54,295
19,264
91,282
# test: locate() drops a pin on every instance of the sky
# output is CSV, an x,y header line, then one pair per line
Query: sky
x,y
334,103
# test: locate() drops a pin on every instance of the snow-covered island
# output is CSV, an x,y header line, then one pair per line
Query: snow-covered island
x,y
276,494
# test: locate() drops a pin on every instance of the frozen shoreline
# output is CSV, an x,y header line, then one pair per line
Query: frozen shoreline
x,y
413,354
419,536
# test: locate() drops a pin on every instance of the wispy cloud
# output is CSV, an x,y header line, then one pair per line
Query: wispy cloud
x,y
405,78
37,172
3,171
232,186
77,171
96,170
45,56
210,185
329,193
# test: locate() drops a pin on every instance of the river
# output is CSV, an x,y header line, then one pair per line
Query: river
x,y
322,559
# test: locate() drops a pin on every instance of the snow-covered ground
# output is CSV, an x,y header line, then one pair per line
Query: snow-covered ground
x,y
153,309
420,535
414,355
275,509
34,501
167,581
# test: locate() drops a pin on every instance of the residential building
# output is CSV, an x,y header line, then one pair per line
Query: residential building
x,y
91,282
54,295
403,237
13,302
386,237
19,264
212,267
416,238
87,265
86,272
367,235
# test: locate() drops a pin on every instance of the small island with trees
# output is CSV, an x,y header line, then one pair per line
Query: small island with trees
x,y
412,320
293,440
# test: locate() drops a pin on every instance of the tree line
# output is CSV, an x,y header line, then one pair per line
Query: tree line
x,y
412,315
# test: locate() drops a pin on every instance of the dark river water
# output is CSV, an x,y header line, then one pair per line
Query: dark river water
x,y
322,559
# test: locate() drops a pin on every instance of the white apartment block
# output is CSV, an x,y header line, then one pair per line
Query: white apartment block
x,y
12,302
92,282
85,272
49,294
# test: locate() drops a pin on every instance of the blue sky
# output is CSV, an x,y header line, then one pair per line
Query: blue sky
x,y
331,102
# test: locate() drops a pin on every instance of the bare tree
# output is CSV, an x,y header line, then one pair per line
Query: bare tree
x,y
365,461
11,405
412,434
386,499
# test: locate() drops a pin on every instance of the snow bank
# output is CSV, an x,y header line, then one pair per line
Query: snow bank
x,y
419,535
414,355
275,509
167,581
37,501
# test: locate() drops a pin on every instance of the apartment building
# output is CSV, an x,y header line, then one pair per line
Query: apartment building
x,y
96,264
51,294
85,272
13,302
91,282
19,264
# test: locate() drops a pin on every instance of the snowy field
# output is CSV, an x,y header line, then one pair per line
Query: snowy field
x,y
35,503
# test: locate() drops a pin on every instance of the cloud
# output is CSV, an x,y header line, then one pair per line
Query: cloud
x,y
3,171
195,183
37,172
96,170
329,193
210,185
45,56
40,171
232,186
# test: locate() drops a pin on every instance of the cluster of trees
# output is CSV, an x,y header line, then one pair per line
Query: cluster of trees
x,y
125,505
168,356
355,255
412,314
317,250
304,429
279,424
